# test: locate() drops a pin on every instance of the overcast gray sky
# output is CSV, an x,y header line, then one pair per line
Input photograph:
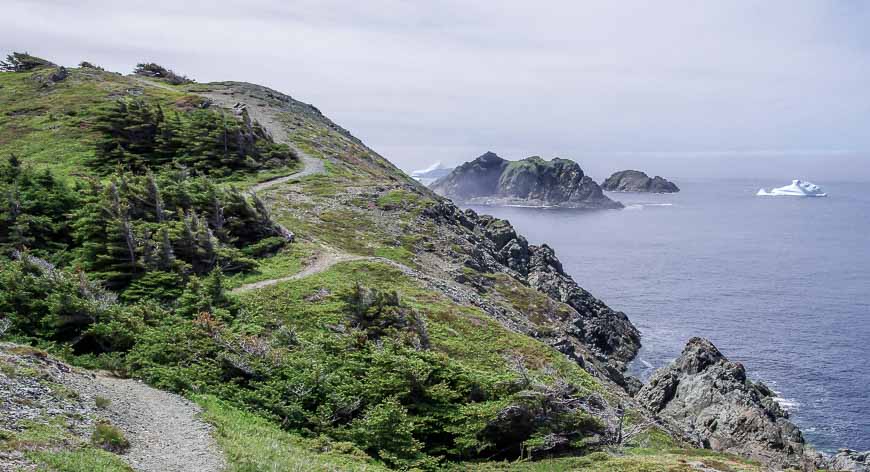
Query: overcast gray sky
x,y
778,89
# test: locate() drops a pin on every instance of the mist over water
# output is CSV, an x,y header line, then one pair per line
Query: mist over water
x,y
781,284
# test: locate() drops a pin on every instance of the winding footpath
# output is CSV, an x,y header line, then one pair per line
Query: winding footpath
x,y
322,261
165,430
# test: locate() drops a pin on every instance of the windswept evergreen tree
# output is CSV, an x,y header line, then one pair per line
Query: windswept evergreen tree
x,y
138,135
138,225
22,62
34,208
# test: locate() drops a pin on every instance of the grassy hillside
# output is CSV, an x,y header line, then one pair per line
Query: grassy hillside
x,y
375,339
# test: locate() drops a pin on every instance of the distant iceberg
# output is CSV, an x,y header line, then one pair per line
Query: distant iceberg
x,y
430,174
797,188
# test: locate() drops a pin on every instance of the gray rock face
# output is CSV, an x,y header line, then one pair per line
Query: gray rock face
x,y
637,181
592,327
849,460
491,180
710,398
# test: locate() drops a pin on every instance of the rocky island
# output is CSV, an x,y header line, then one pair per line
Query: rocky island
x,y
637,181
491,180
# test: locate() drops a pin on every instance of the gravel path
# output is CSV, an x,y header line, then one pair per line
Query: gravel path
x,y
165,431
322,261
267,119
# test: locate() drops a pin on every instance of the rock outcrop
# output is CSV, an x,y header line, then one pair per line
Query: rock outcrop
x,y
710,398
491,180
849,460
637,181
593,334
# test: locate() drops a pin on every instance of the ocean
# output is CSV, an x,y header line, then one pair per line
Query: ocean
x,y
781,284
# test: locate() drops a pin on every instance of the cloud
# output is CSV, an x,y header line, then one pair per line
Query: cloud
x,y
447,80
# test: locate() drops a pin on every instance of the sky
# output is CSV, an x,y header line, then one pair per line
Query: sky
x,y
773,89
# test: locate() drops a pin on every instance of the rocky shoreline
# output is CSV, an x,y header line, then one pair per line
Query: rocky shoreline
x,y
537,203
710,399
703,398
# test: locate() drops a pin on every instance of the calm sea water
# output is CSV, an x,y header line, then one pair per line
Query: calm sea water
x,y
781,284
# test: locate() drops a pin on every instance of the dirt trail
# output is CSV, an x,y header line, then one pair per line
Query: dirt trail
x,y
322,261
165,431
267,119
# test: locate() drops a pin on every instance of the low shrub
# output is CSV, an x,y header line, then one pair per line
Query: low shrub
x,y
102,402
108,437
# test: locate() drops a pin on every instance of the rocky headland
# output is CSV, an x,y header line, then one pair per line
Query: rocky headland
x,y
493,308
581,326
637,181
491,180
710,399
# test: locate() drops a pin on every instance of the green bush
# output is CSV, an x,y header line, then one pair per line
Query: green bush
x,y
387,431
34,212
108,437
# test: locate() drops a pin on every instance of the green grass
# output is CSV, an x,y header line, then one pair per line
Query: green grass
x,y
349,230
401,199
672,461
52,446
36,435
53,126
536,306
85,459
398,254
249,180
253,444
287,262
465,334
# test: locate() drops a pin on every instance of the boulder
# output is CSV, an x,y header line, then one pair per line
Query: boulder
x,y
849,460
709,398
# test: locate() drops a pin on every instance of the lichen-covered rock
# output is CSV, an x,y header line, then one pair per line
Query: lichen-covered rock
x,y
710,398
491,180
637,181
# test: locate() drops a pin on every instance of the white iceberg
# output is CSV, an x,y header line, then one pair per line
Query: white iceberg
x,y
432,168
430,174
798,188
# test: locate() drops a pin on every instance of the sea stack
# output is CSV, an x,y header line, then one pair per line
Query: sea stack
x,y
637,181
